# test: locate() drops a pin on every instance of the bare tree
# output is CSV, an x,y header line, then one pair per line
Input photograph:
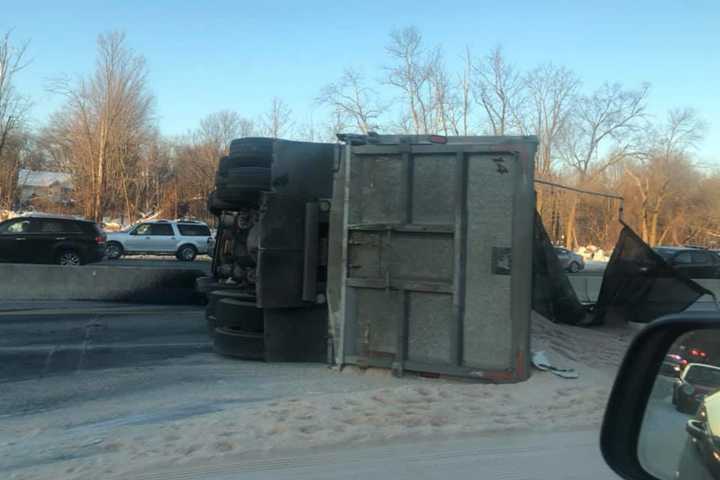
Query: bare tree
x,y
551,93
412,74
446,103
498,90
662,173
351,97
611,116
13,110
462,127
219,128
105,122
336,123
277,121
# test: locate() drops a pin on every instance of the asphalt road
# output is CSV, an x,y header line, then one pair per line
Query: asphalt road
x,y
41,340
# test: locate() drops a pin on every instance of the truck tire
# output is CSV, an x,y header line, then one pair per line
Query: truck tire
x,y
217,206
225,270
224,290
236,343
252,146
245,160
250,178
239,314
238,196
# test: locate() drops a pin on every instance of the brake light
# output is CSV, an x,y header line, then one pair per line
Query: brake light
x,y
438,139
100,239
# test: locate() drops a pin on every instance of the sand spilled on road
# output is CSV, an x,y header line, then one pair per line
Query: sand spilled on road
x,y
404,409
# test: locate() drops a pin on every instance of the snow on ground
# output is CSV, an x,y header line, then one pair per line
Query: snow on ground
x,y
323,408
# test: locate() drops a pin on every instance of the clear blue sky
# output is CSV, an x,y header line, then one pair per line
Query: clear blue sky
x,y
209,55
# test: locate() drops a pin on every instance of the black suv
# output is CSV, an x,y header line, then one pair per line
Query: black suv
x,y
51,239
693,262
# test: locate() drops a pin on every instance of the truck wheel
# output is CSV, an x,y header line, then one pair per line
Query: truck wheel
x,y
113,250
224,271
236,343
222,291
217,206
247,177
245,159
256,146
239,314
238,195
186,253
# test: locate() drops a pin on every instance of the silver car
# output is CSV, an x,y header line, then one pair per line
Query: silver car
x,y
570,261
183,238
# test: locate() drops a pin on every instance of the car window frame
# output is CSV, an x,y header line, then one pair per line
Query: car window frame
x,y
707,261
67,227
180,227
135,231
678,255
15,221
153,226
699,368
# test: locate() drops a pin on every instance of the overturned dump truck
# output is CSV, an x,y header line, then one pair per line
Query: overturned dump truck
x,y
407,252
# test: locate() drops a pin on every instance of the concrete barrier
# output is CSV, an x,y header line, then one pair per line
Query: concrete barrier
x,y
587,287
98,282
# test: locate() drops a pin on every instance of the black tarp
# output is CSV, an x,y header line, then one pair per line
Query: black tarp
x,y
553,295
639,286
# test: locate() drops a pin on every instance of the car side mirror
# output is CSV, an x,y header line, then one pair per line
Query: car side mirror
x,y
695,429
655,423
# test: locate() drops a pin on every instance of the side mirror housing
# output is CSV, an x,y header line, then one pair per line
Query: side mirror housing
x,y
695,429
628,405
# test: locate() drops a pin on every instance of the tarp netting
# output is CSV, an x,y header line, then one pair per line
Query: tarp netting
x,y
639,286
553,295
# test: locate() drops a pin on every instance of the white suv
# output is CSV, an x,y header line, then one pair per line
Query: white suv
x,y
183,238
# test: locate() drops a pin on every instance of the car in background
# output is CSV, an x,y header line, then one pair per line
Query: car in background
x,y
699,459
696,382
672,365
58,239
693,262
570,261
183,238
694,354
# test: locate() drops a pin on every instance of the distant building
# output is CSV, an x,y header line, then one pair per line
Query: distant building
x,y
55,187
